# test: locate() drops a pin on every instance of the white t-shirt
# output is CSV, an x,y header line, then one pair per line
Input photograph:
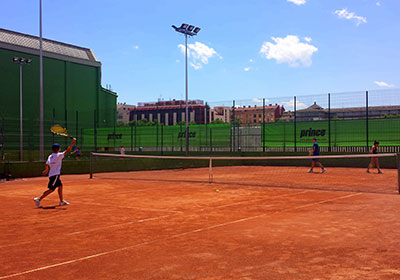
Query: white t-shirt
x,y
122,150
55,161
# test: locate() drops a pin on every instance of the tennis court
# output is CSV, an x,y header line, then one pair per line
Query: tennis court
x,y
172,224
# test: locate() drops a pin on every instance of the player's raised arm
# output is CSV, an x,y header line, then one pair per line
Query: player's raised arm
x,y
70,146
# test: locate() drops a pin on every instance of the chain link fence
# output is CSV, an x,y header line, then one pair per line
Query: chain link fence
x,y
341,122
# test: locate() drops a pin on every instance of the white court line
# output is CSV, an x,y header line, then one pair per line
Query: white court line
x,y
171,237
254,200
89,230
153,218
129,207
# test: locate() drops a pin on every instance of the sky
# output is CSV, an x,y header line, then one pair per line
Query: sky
x,y
245,50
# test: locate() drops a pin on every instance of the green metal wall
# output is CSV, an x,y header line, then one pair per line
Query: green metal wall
x,y
72,97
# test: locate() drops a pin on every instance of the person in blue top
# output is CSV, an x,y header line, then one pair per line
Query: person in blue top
x,y
315,152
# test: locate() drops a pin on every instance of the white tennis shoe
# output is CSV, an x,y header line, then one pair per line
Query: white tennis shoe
x,y
62,203
37,201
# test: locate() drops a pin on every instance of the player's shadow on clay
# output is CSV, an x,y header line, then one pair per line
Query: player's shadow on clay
x,y
53,207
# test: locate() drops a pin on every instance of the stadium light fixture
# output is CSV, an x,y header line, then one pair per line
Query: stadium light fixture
x,y
21,61
186,30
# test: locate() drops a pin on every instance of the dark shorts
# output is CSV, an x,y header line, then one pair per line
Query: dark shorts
x,y
54,182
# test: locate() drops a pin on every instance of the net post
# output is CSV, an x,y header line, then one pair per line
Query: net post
x,y
210,176
295,121
398,170
91,166
263,127
366,121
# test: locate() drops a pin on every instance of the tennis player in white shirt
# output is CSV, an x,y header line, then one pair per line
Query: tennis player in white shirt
x,y
53,168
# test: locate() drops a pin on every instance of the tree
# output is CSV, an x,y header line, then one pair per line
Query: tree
x,y
237,121
217,121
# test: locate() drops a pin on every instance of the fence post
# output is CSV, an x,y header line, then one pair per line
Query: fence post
x,y
66,125
180,126
162,139
233,127
366,119
295,120
398,170
211,147
135,144
76,124
205,118
131,138
263,127
157,128
329,122
2,138
53,121
95,130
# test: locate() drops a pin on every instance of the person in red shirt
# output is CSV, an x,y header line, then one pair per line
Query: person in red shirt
x,y
374,160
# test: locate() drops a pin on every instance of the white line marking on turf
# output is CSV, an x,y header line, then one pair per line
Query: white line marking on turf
x,y
171,237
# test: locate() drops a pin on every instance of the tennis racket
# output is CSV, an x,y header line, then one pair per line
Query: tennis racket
x,y
59,130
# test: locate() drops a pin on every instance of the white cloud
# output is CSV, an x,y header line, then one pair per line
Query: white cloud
x,y
177,61
196,66
350,16
136,47
199,54
378,4
289,105
247,69
256,100
297,2
307,39
289,50
251,60
383,84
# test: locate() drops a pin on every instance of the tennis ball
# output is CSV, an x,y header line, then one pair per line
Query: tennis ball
x,y
217,190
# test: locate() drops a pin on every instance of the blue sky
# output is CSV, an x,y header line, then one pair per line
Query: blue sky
x,y
245,49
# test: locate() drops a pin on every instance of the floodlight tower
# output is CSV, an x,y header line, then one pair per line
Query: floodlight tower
x,y
187,30
21,61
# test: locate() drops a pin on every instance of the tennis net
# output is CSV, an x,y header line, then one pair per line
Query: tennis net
x,y
342,172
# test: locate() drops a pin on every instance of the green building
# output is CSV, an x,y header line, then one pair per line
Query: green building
x,y
72,91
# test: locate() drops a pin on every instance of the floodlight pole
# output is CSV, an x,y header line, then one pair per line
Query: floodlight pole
x,y
187,30
21,131
186,101
21,61
41,130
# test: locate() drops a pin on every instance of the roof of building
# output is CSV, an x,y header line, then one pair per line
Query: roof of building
x,y
30,44
152,108
316,107
244,109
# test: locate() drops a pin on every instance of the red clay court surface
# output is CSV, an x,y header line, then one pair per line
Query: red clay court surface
x,y
173,225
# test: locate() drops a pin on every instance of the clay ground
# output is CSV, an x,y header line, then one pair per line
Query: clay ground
x,y
174,225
